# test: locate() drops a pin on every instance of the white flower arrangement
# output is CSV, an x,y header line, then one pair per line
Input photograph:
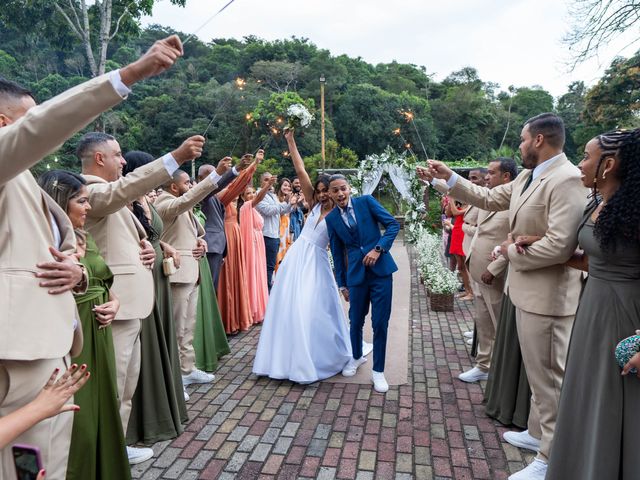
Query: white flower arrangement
x,y
437,277
299,116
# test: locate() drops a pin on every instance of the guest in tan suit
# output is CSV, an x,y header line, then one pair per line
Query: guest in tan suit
x,y
40,244
184,232
122,241
488,274
548,201
470,218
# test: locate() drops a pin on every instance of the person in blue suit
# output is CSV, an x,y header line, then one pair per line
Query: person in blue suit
x,y
363,269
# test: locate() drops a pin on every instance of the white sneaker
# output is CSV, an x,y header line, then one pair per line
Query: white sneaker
x,y
379,382
469,341
138,455
468,335
473,375
186,395
352,367
197,376
536,470
367,348
522,440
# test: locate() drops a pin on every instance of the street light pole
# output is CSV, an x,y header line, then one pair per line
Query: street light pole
x,y
322,80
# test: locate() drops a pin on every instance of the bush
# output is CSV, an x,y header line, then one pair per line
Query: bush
x,y
437,277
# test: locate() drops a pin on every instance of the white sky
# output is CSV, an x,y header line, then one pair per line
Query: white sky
x,y
510,42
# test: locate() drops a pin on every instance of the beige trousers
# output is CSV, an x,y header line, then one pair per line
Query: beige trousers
x,y
126,345
185,309
20,382
544,341
488,302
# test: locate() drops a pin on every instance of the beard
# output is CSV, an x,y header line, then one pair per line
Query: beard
x,y
529,159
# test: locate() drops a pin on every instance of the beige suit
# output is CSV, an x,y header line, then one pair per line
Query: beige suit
x,y
544,291
182,230
36,328
492,230
117,233
469,226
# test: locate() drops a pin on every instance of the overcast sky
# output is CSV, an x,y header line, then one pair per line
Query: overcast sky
x,y
510,42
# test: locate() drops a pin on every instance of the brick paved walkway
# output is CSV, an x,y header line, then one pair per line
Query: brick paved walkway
x,y
432,428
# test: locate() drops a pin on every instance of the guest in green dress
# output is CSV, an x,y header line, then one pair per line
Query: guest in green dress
x,y
97,442
158,406
507,395
209,338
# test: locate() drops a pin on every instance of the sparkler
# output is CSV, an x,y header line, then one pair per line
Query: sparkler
x,y
193,34
408,115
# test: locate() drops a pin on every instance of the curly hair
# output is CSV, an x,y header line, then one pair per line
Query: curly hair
x,y
619,220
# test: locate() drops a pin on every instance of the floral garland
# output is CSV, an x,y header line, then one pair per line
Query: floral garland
x,y
415,217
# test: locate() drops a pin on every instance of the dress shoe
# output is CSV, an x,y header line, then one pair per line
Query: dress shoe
x,y
367,348
352,367
522,440
197,376
467,334
379,382
473,375
536,470
138,455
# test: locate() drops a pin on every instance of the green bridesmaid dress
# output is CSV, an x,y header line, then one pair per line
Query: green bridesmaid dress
x,y
158,408
97,442
209,338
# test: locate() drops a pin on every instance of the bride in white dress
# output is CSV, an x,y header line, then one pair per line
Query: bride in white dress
x,y
304,336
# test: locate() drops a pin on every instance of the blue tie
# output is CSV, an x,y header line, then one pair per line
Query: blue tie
x,y
350,219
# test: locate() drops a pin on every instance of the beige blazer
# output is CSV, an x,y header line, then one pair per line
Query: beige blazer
x,y
551,207
182,229
118,232
469,226
33,324
492,230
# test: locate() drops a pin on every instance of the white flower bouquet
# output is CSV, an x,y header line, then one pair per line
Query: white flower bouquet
x,y
299,116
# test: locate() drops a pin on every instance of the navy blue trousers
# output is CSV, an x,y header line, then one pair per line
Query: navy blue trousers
x,y
376,291
271,247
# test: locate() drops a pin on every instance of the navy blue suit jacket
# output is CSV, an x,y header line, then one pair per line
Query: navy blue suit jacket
x,y
349,246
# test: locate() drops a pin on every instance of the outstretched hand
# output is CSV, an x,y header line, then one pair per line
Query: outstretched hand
x,y
439,170
224,165
160,57
190,149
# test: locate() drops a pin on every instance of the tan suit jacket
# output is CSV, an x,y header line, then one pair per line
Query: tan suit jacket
x,y
33,324
182,229
118,232
492,230
551,207
469,226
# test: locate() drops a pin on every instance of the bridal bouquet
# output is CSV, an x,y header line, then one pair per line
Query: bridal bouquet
x,y
298,116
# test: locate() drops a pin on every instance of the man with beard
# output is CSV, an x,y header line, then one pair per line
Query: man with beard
x,y
548,202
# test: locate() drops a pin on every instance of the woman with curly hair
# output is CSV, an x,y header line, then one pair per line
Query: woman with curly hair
x,y
598,418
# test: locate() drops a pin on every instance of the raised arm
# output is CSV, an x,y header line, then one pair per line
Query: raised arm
x,y
169,207
108,198
41,131
263,193
241,182
298,165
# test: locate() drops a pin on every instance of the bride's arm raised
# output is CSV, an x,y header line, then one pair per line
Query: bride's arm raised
x,y
305,182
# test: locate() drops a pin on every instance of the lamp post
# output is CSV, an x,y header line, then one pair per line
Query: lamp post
x,y
322,80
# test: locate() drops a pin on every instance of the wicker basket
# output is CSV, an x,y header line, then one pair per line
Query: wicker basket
x,y
441,302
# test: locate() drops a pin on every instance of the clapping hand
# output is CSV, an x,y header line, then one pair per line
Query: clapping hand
x,y
62,275
160,57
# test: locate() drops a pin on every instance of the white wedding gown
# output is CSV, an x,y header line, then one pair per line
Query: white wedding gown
x,y
304,335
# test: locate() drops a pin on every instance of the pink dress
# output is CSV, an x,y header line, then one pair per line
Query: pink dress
x,y
251,223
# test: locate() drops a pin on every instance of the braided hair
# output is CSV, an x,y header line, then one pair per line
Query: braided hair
x,y
619,220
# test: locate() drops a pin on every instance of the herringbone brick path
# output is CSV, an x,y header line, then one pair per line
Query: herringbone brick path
x,y
432,428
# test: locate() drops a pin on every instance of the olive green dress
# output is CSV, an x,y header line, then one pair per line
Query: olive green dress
x,y
97,442
209,338
158,408
596,435
507,395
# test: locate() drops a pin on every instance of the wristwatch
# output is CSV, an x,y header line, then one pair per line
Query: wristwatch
x,y
379,249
